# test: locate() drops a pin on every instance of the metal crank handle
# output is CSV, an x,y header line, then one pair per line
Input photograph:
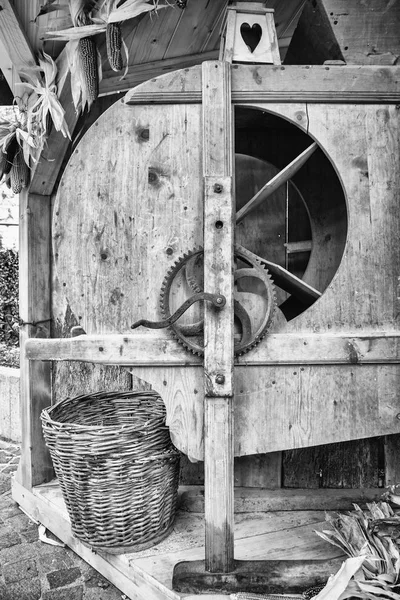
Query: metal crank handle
x,y
218,300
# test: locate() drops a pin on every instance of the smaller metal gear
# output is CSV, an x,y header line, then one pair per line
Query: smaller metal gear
x,y
253,289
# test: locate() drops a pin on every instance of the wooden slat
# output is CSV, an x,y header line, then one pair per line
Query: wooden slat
x,y
271,186
267,83
113,82
152,35
218,326
278,349
392,463
16,51
252,500
193,29
34,305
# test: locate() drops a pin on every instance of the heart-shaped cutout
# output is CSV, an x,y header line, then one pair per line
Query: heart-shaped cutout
x,y
251,35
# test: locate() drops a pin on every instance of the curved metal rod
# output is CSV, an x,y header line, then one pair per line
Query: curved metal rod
x,y
218,300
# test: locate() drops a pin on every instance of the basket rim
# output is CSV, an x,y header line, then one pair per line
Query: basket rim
x,y
46,412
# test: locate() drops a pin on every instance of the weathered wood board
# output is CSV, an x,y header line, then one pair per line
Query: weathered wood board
x,y
126,209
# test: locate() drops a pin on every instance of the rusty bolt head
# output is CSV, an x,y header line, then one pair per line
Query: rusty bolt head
x,y
220,379
218,188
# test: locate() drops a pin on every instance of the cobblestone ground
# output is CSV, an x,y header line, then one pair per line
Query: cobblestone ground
x,y
31,569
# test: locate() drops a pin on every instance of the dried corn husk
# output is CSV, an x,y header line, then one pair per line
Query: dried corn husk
x,y
356,534
89,19
43,102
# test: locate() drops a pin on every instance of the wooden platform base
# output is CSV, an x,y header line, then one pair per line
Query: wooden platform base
x,y
147,575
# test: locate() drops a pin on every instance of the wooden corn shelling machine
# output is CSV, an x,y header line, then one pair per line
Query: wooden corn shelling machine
x,y
150,235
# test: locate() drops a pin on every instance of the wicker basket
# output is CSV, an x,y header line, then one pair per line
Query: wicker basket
x,y
117,467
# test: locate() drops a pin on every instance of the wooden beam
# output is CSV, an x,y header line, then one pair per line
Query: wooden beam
x,y
16,53
275,349
139,73
218,221
137,349
34,306
270,83
253,500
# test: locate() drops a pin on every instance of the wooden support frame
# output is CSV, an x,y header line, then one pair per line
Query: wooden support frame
x,y
282,349
271,83
218,326
35,376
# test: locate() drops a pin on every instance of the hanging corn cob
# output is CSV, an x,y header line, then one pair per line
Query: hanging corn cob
x,y
19,173
7,157
88,58
114,46
3,163
90,18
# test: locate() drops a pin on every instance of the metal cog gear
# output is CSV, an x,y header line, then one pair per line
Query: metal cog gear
x,y
253,327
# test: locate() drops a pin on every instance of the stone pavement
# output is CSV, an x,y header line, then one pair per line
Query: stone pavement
x,y
31,569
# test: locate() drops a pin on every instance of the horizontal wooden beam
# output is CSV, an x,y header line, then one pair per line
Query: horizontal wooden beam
x,y
275,349
112,82
249,500
270,83
137,349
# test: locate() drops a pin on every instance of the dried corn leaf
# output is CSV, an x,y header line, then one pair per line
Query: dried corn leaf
x,y
380,510
338,583
75,33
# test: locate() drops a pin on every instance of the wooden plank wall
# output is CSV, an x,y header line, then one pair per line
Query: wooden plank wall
x,y
355,32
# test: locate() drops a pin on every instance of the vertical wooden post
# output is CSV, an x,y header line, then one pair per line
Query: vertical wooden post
x,y
34,293
219,212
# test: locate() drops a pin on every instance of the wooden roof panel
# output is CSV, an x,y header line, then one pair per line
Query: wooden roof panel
x,y
157,43
196,27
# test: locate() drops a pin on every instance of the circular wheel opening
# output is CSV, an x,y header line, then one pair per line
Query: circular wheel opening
x,y
291,207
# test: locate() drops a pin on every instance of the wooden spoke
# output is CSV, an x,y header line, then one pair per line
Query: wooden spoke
x,y
279,179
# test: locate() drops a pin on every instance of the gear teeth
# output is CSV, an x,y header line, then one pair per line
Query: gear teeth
x,y
172,272
240,252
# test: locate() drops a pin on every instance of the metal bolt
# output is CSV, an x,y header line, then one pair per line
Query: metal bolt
x,y
220,379
218,188
219,300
